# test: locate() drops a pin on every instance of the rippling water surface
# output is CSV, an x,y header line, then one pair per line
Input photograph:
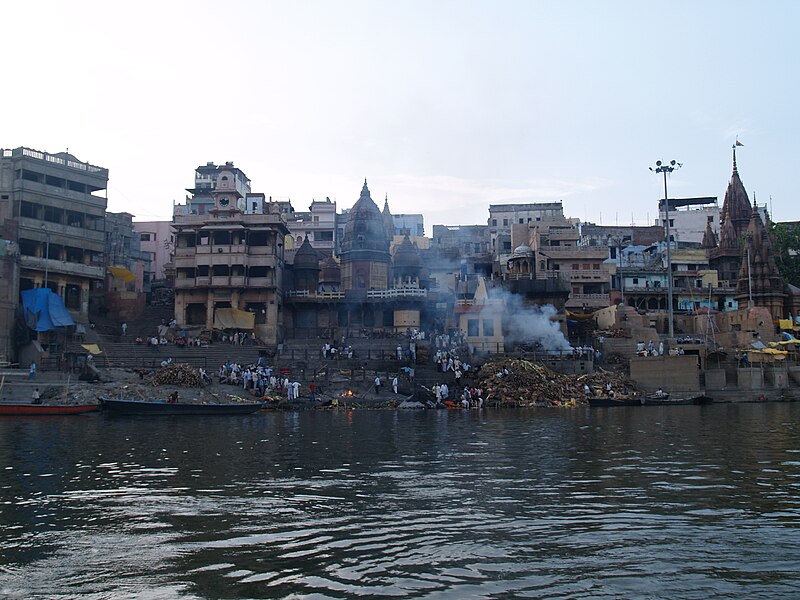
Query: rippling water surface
x,y
661,502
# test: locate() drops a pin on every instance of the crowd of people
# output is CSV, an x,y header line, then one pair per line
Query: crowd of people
x,y
259,380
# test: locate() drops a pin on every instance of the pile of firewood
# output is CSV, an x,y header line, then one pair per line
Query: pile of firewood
x,y
532,384
612,333
177,374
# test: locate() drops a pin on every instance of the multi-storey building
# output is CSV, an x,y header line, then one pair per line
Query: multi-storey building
x,y
205,181
412,225
229,264
129,272
53,206
157,238
318,224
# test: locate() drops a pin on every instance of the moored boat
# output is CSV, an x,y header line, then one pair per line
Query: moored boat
x,y
606,401
158,407
666,400
19,410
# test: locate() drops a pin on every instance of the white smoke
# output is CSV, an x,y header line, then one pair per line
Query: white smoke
x,y
532,324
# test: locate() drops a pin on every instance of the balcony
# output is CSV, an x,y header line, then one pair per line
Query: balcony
x,y
97,238
590,300
62,267
185,283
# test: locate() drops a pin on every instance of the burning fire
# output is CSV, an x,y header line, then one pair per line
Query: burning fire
x,y
347,394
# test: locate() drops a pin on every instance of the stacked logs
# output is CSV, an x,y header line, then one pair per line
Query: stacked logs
x,y
532,384
177,374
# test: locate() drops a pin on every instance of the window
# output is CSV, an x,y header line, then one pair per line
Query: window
x,y
529,219
635,281
506,245
494,222
488,327
505,222
323,236
521,221
575,266
586,266
316,218
711,219
145,237
672,222
595,267
472,327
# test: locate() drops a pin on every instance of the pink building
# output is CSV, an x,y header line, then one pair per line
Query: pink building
x,y
157,238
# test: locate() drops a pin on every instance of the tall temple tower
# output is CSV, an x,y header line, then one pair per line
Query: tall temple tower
x,y
735,218
365,247
759,278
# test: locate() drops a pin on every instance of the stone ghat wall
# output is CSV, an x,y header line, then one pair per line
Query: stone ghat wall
x,y
670,373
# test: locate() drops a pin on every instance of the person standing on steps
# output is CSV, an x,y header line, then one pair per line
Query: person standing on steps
x,y
124,328
377,384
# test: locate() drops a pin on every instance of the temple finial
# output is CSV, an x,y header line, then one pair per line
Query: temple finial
x,y
736,143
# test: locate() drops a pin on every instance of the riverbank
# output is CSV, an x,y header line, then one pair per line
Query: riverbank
x,y
524,386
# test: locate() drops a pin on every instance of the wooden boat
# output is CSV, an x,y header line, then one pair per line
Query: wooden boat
x,y
665,400
119,406
607,401
13,410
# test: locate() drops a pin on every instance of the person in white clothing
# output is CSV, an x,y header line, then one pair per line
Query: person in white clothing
x,y
394,384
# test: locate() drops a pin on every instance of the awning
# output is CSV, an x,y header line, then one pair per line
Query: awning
x,y
92,348
122,273
233,318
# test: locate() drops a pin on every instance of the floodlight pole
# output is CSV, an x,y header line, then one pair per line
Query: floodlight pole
x,y
46,253
667,168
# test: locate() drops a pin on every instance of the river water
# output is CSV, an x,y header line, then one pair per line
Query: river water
x,y
649,502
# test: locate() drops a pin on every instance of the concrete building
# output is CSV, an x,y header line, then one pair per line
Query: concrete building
x,y
9,298
229,264
318,224
53,206
412,225
129,271
157,238
205,182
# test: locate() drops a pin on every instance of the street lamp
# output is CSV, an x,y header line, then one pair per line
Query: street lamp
x,y
667,168
46,253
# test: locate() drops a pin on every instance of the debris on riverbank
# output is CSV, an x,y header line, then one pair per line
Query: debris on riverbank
x,y
525,383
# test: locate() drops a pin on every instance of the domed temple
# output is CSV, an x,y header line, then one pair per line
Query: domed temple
x,y
367,290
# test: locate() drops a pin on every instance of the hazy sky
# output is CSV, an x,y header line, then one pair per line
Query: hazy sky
x,y
445,106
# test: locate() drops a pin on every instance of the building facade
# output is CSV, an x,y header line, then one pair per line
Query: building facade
x,y
157,238
53,206
229,264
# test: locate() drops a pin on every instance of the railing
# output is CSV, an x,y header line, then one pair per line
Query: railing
x,y
54,229
317,295
58,160
398,293
584,297
60,266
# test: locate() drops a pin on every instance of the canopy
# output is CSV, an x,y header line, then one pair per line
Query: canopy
x,y
122,273
233,318
791,342
44,310
92,348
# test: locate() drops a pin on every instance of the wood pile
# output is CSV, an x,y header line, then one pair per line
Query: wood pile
x,y
177,374
533,384
612,333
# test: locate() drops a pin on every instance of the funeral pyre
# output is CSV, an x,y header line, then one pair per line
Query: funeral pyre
x,y
525,383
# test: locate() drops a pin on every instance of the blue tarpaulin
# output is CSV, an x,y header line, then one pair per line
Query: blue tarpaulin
x,y
45,310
